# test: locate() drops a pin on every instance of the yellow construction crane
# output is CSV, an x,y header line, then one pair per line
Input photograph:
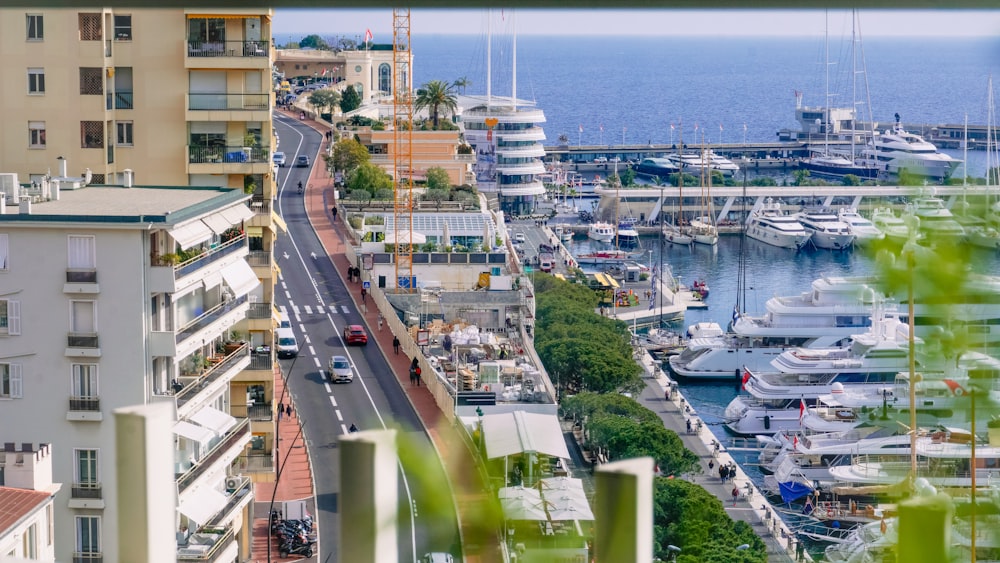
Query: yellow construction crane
x,y
402,120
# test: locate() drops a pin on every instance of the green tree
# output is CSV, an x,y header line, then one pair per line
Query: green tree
x,y
850,180
348,154
324,99
763,181
801,177
437,179
350,101
436,96
368,177
628,177
313,41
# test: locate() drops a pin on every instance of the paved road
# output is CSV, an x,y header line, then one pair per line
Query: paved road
x,y
318,303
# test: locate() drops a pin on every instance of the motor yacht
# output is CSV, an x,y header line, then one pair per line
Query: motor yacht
x,y
896,150
836,166
627,234
695,163
893,227
936,221
772,226
601,231
825,229
656,167
865,232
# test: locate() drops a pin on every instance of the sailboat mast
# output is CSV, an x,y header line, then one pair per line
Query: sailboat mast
x,y
513,90
680,184
489,58
826,69
854,86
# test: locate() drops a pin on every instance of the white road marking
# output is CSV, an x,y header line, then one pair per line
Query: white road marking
x,y
308,309
288,295
343,429
329,390
346,310
315,359
340,417
319,310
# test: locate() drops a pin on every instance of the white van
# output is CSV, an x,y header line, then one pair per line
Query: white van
x,y
283,320
288,347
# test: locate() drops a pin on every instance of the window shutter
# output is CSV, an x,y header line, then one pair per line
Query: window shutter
x,y
82,252
15,381
13,317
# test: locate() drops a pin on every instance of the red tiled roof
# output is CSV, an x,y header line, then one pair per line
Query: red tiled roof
x,y
15,504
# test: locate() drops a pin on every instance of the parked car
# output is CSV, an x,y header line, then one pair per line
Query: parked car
x,y
340,370
302,161
600,160
519,237
279,158
355,334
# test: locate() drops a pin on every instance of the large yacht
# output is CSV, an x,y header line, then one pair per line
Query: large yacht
x,y
601,231
627,234
826,230
865,232
695,163
656,166
896,150
771,226
936,221
893,227
837,166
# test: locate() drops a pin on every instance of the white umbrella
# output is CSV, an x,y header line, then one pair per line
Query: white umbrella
x,y
570,513
523,509
567,501
527,493
562,484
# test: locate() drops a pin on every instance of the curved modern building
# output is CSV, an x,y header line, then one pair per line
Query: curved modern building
x,y
507,141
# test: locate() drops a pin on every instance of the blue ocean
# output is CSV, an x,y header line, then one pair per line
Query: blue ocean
x,y
711,88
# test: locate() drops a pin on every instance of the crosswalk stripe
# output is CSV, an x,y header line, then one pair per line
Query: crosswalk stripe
x,y
309,310
295,309
344,307
319,310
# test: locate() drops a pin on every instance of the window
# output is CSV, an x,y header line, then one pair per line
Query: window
x,y
36,134
50,524
123,27
206,30
3,252
82,252
35,29
36,80
91,81
86,467
83,317
124,133
31,542
10,381
85,381
10,317
88,534
90,27
92,135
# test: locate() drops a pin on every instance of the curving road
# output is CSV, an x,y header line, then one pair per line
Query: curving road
x,y
319,305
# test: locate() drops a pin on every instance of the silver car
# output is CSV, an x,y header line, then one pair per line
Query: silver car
x,y
340,370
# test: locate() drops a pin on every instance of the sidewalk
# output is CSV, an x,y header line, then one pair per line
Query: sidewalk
x,y
462,472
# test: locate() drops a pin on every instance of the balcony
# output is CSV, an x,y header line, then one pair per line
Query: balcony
x,y
208,545
85,409
165,277
212,255
260,311
81,281
261,362
119,99
219,154
259,259
238,498
209,317
226,450
260,206
258,413
203,49
255,463
228,102
82,344
88,557
223,367
86,495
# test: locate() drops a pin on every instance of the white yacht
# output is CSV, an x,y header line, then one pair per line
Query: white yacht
x,y
695,163
826,229
627,233
771,226
896,150
676,235
601,231
865,232
936,221
892,226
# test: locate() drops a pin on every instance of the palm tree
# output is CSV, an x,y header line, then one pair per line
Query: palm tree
x,y
462,83
435,96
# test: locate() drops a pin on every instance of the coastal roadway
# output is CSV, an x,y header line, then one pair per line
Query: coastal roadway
x,y
319,305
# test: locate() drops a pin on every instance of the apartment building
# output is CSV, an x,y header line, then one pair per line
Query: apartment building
x,y
113,296
178,97
27,494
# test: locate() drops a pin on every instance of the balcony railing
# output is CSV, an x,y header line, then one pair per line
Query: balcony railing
x,y
90,404
213,254
259,258
260,206
201,101
86,491
231,439
82,340
260,311
205,538
209,317
119,99
81,276
255,463
111,152
228,48
212,374
201,155
235,498
253,412
261,361
88,557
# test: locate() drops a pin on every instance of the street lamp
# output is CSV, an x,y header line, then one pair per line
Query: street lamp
x,y
674,551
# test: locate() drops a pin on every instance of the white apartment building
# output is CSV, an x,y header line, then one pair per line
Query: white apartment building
x,y
27,494
112,296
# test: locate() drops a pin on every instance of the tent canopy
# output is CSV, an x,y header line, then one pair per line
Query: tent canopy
x,y
523,432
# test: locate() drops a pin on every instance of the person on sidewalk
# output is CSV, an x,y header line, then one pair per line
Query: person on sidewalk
x,y
380,321
364,296
413,374
395,344
288,410
417,371
333,211
281,410
736,494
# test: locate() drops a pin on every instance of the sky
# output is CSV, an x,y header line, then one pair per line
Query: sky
x,y
720,22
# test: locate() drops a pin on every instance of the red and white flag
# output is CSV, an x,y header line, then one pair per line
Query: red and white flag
x,y
720,127
581,127
802,409
795,442
746,377
368,35
323,73
671,126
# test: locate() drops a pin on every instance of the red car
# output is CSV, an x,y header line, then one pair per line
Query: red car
x,y
355,334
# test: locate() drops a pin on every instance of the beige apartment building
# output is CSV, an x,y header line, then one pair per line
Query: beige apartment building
x,y
429,149
169,97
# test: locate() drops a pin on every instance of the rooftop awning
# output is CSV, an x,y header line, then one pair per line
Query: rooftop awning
x,y
517,432
193,432
237,214
212,279
202,505
217,223
190,234
214,419
240,278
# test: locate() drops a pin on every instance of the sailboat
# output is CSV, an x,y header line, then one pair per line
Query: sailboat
x,y
703,229
674,232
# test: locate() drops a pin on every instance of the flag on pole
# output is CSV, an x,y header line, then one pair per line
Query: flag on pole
x,y
695,126
581,127
720,127
802,409
671,126
744,127
602,127
323,73
795,442
746,377
368,35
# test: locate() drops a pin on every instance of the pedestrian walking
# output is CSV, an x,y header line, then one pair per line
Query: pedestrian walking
x,y
364,296
380,319
281,410
418,375
736,494
395,345
413,375
333,211
722,473
288,410
711,465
